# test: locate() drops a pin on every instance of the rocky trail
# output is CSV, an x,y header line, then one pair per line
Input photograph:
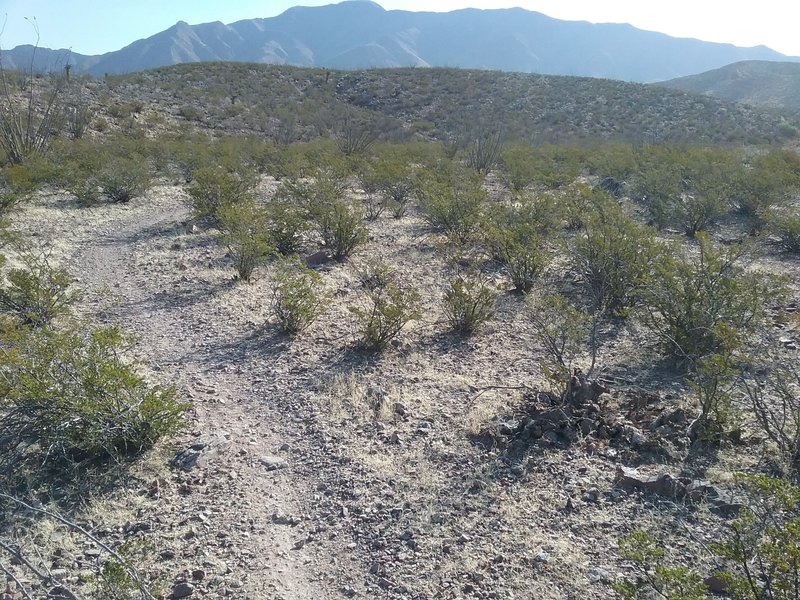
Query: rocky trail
x,y
231,520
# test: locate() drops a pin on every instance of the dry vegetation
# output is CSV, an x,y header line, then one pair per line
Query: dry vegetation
x,y
384,354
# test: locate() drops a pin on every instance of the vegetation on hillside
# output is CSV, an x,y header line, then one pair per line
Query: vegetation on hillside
x,y
610,209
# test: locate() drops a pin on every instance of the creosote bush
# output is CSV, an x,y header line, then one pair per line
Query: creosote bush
x,y
692,296
452,201
468,302
384,314
613,256
562,330
297,299
36,292
123,179
214,187
69,396
654,577
375,274
245,233
341,226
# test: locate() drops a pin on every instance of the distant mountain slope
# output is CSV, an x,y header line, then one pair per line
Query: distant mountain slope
x,y
360,34
756,82
294,103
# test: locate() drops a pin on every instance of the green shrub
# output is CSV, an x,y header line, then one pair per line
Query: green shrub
x,y
375,274
214,188
469,303
386,312
68,396
452,201
245,232
515,241
562,331
786,226
763,544
577,202
296,299
340,224
653,576
123,179
287,222
37,293
613,258
691,297
518,166
774,397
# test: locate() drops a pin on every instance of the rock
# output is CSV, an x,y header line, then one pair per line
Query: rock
x,y
633,436
318,258
663,485
198,574
716,585
59,592
273,463
201,451
599,575
182,590
348,591
542,557
280,519
400,409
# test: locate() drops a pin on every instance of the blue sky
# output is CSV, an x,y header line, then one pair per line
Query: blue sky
x,y
97,26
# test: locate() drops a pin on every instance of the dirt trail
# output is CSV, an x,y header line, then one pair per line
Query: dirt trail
x,y
236,523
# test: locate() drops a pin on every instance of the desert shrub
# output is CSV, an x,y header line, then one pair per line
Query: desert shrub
x,y
375,274
694,301
654,577
374,203
452,201
287,223
515,241
190,113
123,179
244,231
392,175
767,182
773,392
37,292
385,313
296,297
561,330
763,544
69,396
468,302
613,257
576,202
786,226
518,166
189,153
340,224
712,383
483,149
214,188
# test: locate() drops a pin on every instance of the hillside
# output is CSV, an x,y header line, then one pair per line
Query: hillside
x,y
443,103
271,332
760,83
361,34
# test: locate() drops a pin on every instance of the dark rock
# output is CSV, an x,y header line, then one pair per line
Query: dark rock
x,y
59,592
599,575
318,258
182,590
273,463
716,585
201,451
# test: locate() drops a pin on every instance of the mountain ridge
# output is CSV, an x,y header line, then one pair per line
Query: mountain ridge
x,y
362,34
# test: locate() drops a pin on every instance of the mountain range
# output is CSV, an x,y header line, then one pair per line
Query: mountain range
x,y
359,34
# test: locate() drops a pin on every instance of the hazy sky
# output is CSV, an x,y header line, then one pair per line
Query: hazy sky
x,y
97,26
